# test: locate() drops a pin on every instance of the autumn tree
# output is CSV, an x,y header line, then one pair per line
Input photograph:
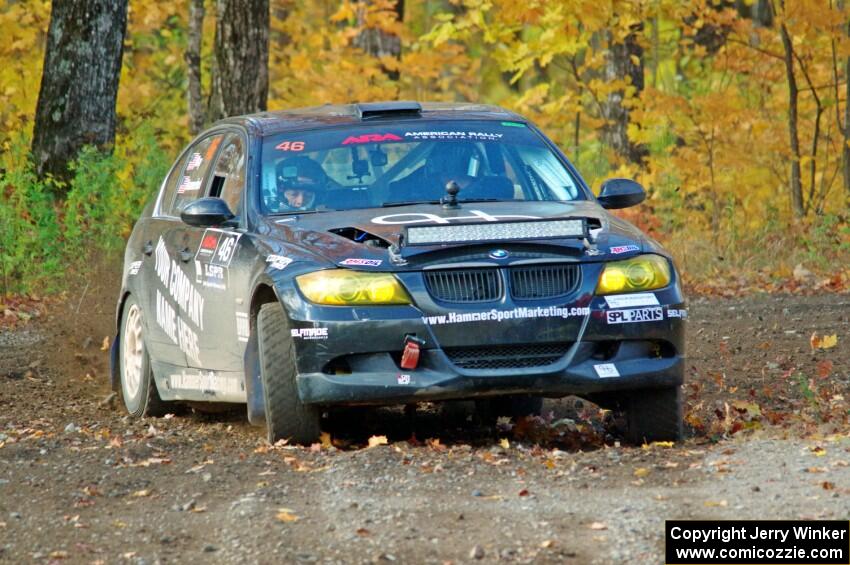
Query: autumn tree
x,y
374,37
79,85
240,82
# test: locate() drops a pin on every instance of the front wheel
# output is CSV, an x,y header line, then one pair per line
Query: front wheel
x,y
138,387
286,416
654,415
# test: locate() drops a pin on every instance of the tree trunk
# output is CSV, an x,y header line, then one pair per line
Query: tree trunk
x,y
193,64
241,75
79,83
378,43
625,60
845,151
796,182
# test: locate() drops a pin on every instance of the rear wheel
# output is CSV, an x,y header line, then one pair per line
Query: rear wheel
x,y
286,416
138,387
654,415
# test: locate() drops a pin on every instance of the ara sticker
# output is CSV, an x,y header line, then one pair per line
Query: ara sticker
x,y
290,146
134,268
370,138
624,249
606,370
362,262
278,262
631,300
403,379
217,247
635,315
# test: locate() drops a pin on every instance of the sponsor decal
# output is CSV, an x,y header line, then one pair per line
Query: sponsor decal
x,y
210,276
243,329
217,247
606,370
188,185
371,138
424,218
189,304
403,379
635,315
674,313
431,135
631,300
194,162
290,146
310,333
501,315
278,262
362,262
205,381
624,249
134,268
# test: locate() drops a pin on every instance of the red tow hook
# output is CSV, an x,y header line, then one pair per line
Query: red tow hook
x,y
410,355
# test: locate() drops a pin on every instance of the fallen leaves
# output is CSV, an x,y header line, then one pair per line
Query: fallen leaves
x,y
824,342
598,526
375,441
286,515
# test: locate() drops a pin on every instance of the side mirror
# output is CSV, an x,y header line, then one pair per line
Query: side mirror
x,y
206,212
620,193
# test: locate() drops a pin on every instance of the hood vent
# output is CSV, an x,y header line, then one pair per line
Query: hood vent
x,y
360,236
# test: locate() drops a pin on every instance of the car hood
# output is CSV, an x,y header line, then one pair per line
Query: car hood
x,y
372,238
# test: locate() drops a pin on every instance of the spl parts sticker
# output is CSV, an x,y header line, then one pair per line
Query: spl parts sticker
x,y
635,315
362,262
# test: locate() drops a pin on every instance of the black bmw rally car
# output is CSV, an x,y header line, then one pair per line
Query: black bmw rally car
x,y
392,253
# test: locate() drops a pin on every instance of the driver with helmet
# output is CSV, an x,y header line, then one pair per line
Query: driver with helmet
x,y
299,180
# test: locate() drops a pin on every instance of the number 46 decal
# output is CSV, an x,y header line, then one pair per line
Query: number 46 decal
x,y
290,146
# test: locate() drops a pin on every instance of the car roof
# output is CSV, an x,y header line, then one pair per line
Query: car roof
x,y
330,115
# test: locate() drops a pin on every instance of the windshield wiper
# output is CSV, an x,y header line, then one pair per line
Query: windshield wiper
x,y
408,203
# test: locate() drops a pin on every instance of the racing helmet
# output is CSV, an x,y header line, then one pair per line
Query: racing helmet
x,y
299,179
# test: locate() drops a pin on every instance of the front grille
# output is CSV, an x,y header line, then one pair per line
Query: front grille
x,y
544,281
507,356
464,285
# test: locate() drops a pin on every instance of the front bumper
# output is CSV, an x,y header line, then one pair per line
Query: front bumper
x,y
350,356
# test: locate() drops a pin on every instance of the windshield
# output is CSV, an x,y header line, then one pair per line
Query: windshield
x,y
374,165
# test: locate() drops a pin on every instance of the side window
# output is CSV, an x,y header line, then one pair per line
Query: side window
x,y
192,179
171,184
228,180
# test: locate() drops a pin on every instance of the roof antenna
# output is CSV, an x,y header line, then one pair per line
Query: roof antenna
x,y
450,201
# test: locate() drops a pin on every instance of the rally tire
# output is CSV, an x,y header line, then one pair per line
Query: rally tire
x,y
654,415
286,416
138,387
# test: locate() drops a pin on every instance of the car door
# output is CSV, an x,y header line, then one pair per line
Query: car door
x,y
181,312
219,273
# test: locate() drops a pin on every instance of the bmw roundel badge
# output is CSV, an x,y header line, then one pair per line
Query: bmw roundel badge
x,y
499,254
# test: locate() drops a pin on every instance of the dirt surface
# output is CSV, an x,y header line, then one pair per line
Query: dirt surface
x,y
81,483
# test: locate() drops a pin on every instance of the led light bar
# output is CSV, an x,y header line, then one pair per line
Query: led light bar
x,y
483,232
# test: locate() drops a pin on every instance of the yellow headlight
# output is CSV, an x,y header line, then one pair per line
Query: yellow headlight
x,y
645,272
341,287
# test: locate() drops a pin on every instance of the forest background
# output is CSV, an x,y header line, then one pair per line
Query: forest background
x,y
732,113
